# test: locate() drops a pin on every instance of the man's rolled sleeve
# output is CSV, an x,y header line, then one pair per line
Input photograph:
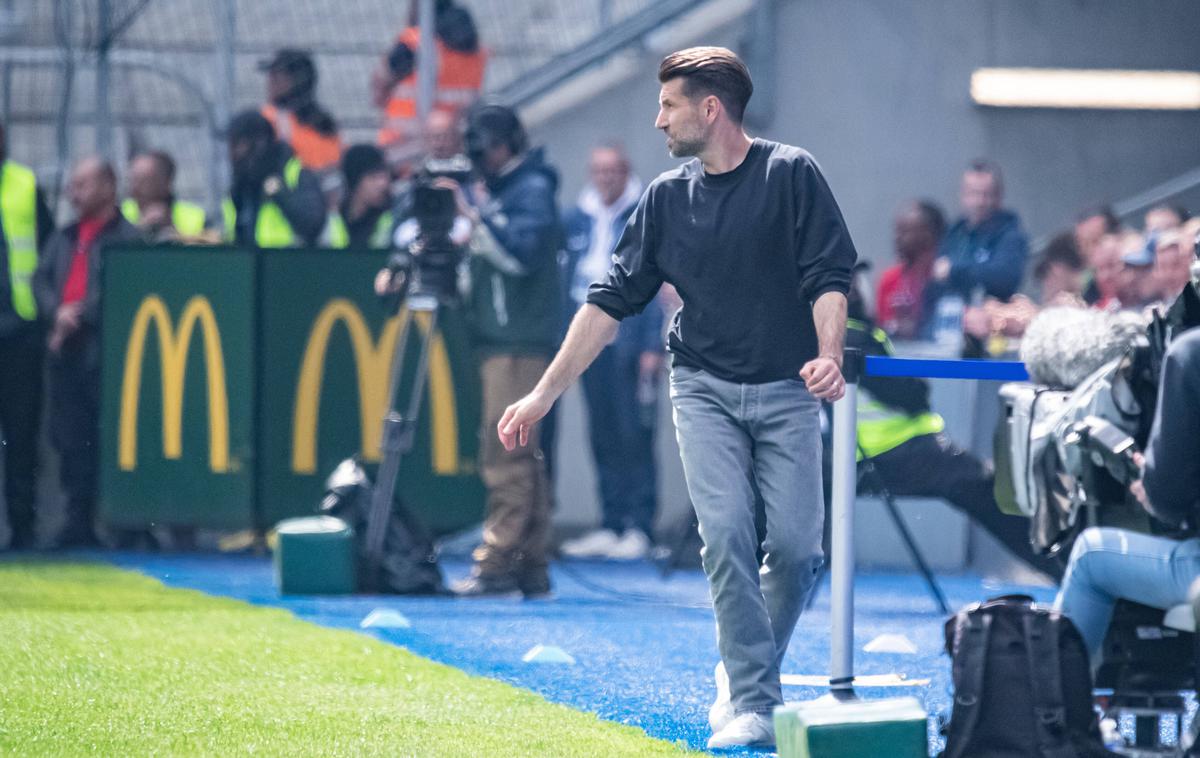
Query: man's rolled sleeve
x,y
634,279
825,254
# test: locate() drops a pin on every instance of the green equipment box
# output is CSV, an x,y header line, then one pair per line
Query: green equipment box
x,y
826,728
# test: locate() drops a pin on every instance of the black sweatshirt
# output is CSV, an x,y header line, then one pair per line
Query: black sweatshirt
x,y
1172,474
748,250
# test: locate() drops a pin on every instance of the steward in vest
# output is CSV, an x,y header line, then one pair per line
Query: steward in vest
x,y
151,205
461,63
68,285
274,202
25,225
293,111
364,218
904,440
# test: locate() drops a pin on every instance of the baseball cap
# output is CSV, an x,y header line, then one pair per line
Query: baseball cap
x,y
290,60
1142,255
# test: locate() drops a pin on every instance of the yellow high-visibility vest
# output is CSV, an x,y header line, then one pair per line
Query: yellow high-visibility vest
x,y
187,218
272,228
18,214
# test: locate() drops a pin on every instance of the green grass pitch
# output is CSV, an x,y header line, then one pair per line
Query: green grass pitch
x,y
99,661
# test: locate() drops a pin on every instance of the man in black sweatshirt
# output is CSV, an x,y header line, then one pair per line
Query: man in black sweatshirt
x,y
752,239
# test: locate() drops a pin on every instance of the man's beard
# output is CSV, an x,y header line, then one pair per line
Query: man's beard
x,y
681,147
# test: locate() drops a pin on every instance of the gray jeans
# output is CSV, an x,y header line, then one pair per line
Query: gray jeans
x,y
738,441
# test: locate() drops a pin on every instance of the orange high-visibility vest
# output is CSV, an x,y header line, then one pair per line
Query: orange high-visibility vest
x,y
459,79
316,151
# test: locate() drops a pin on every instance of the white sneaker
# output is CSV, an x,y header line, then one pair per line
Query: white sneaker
x,y
594,544
721,711
747,730
634,545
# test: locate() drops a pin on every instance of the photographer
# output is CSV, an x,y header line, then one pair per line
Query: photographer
x,y
514,303
1112,564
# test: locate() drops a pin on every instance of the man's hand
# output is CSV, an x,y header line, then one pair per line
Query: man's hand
x,y
519,418
823,377
388,282
649,363
465,209
1138,488
67,320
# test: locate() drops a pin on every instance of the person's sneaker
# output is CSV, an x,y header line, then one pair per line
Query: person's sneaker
x,y
634,545
595,544
485,585
721,711
747,730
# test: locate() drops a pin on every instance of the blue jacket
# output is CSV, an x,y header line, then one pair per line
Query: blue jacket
x,y
991,255
515,301
641,333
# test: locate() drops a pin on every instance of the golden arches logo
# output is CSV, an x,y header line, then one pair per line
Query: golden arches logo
x,y
173,351
372,361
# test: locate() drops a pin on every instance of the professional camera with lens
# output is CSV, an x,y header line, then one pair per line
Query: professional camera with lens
x,y
428,262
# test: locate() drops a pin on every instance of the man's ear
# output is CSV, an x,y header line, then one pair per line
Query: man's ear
x,y
712,108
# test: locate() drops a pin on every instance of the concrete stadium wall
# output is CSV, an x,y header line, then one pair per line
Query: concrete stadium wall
x,y
877,90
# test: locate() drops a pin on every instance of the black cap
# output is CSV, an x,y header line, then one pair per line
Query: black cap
x,y
298,63
360,160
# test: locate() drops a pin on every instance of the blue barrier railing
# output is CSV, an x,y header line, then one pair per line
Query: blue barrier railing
x,y
997,371
845,484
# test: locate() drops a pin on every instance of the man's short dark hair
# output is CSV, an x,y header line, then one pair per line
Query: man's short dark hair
x,y
163,162
1061,251
712,71
991,168
1104,211
492,124
250,125
933,217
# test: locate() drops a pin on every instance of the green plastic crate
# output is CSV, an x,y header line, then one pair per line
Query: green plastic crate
x,y
825,728
314,556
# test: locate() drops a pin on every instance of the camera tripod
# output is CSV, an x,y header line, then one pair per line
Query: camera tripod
x,y
399,426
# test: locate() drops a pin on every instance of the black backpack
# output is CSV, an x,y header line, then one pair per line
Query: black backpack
x,y
408,565
1022,684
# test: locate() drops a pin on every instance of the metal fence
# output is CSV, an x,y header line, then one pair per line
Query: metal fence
x,y
118,76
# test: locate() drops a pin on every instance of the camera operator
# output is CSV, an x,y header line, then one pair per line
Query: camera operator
x,y
514,236
1112,564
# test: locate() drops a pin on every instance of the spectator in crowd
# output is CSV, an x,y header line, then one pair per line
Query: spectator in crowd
x,y
460,67
1163,217
152,205
67,286
364,218
1138,287
621,385
1090,227
1058,276
515,304
274,201
901,302
443,135
1172,264
985,250
294,113
1059,272
1108,272
1109,564
903,446
25,226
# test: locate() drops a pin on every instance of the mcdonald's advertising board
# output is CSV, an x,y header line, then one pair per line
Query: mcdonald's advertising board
x,y
177,404
305,348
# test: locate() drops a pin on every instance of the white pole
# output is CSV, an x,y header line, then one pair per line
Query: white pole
x,y
845,481
427,62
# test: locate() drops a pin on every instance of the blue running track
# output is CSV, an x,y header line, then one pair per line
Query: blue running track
x,y
644,646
